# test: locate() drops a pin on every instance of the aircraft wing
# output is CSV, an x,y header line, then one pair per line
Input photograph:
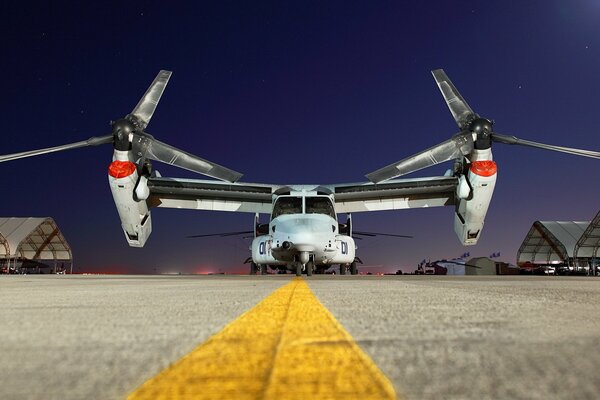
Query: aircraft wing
x,y
257,198
395,194
210,195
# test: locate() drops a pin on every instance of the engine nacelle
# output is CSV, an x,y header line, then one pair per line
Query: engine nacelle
x,y
470,212
135,217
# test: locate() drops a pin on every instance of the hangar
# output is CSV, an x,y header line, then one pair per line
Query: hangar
x,y
33,245
571,244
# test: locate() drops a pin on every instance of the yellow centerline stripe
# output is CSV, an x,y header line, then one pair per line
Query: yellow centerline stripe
x,y
289,346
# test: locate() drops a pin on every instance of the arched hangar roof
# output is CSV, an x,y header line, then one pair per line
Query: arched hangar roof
x,y
32,238
549,241
589,242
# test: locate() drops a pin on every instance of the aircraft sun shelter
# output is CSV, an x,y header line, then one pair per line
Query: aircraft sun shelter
x,y
572,243
26,242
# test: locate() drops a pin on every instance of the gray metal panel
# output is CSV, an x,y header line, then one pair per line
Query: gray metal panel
x,y
210,195
254,197
399,203
215,205
396,194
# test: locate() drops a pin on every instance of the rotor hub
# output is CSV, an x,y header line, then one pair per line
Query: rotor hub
x,y
122,129
481,126
483,129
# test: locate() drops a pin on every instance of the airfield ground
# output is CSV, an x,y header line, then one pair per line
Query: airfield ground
x,y
101,337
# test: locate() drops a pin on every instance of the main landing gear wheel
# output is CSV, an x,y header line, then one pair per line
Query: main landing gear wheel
x,y
342,269
309,268
298,269
353,268
253,268
263,269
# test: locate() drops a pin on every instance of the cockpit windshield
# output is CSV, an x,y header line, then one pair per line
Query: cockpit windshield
x,y
293,205
320,205
287,205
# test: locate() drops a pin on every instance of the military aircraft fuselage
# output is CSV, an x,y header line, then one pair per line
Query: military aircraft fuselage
x,y
303,231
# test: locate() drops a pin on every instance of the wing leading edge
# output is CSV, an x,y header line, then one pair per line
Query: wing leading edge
x,y
210,195
395,195
257,198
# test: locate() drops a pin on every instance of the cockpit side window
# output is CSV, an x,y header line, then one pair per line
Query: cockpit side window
x,y
320,205
287,205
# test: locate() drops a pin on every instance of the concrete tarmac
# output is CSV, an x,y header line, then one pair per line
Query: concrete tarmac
x,y
100,337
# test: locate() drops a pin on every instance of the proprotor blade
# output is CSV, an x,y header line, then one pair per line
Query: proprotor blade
x,y
93,141
224,234
145,145
147,105
459,108
363,233
506,139
455,147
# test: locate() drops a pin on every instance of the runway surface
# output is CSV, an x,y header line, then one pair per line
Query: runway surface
x,y
103,337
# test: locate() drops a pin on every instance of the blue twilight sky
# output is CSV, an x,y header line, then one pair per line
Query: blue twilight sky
x,y
297,92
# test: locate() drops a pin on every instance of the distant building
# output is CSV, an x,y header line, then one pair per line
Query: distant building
x,y
487,266
33,245
570,245
473,266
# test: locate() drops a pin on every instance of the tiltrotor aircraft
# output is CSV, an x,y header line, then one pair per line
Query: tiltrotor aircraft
x,y
304,233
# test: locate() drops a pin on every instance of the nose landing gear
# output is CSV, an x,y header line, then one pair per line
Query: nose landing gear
x,y
352,266
256,268
308,268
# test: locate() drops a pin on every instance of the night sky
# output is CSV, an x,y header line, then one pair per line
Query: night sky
x,y
297,92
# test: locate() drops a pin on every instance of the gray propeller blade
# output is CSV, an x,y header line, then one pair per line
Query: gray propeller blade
x,y
362,233
144,145
455,147
506,139
220,234
93,141
459,108
147,105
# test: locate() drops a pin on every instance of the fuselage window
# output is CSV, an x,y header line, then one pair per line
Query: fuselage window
x,y
287,205
319,205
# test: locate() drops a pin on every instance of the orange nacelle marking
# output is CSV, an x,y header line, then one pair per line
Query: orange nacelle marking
x,y
121,169
484,168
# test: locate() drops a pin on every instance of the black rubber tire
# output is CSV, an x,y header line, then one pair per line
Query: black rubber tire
x,y
298,269
253,268
263,269
353,268
342,269
309,268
